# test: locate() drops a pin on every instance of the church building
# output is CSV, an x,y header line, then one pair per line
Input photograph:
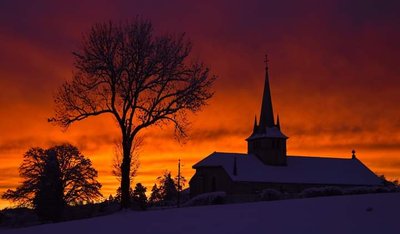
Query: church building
x,y
266,164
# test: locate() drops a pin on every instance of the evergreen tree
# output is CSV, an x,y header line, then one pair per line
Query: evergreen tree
x,y
155,196
139,196
111,198
168,188
48,201
118,195
182,182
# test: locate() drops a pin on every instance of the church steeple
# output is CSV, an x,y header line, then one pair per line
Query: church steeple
x,y
267,113
267,142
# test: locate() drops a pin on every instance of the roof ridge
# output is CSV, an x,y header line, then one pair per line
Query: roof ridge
x,y
319,157
216,152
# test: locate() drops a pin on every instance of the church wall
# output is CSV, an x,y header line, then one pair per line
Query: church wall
x,y
209,179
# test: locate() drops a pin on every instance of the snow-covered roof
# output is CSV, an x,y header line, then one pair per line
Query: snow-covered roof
x,y
270,132
299,169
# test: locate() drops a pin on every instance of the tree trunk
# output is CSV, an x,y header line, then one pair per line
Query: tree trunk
x,y
125,173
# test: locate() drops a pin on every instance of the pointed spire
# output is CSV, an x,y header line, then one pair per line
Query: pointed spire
x,y
278,124
255,128
234,166
267,114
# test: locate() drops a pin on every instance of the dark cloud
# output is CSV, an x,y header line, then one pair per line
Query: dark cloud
x,y
366,146
8,146
201,135
196,134
385,162
8,178
6,172
318,130
83,141
95,142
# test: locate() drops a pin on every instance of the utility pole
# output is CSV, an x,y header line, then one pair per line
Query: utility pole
x,y
179,183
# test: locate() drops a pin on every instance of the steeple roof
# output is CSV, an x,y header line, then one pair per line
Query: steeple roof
x,y
267,113
266,127
278,124
255,128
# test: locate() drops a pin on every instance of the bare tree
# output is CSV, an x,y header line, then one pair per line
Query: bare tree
x,y
137,77
134,159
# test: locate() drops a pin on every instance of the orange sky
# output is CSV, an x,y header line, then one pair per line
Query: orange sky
x,y
334,72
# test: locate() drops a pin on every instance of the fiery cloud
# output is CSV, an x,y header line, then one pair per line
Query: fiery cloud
x,y
334,78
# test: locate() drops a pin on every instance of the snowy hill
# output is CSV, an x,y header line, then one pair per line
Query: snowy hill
x,y
371,213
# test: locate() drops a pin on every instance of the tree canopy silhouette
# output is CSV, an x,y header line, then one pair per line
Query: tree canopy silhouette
x,y
139,78
60,169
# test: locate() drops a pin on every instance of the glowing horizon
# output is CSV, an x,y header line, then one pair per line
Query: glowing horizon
x,y
333,68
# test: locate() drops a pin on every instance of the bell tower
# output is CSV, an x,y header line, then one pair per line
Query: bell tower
x,y
267,142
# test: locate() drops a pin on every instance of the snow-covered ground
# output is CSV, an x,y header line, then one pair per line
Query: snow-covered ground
x,y
371,213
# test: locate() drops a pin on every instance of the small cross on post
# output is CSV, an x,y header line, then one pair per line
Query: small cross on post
x,y
353,154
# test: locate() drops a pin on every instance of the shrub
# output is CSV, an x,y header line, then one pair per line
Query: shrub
x,y
321,191
18,217
213,198
358,190
2,217
377,189
381,190
270,195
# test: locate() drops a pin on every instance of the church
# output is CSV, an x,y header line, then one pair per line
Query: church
x,y
267,165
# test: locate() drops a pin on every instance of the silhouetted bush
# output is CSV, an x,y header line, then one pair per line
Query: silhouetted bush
x,y
19,217
270,195
214,198
2,218
376,189
321,191
358,190
382,190
91,210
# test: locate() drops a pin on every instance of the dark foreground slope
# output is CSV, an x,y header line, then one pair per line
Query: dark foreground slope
x,y
371,213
